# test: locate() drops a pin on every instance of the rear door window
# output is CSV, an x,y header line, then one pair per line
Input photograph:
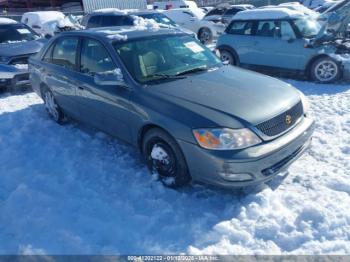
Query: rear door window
x,y
241,28
65,51
268,29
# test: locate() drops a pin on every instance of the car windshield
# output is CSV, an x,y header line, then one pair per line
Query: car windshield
x,y
13,33
165,58
159,18
308,27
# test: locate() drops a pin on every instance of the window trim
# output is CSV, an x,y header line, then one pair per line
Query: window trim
x,y
54,44
81,42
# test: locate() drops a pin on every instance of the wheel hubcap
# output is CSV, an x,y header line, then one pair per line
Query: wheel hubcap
x,y
326,71
205,36
51,105
163,162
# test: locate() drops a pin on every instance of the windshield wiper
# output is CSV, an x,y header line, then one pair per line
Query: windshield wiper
x,y
160,77
193,70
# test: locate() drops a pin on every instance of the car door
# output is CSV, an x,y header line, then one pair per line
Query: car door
x,y
276,45
58,73
105,107
239,37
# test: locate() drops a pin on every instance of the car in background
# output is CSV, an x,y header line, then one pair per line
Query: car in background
x,y
192,117
283,40
206,31
17,43
207,9
49,23
36,20
166,5
225,12
232,11
116,17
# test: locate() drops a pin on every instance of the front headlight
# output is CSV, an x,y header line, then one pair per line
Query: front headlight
x,y
226,138
305,102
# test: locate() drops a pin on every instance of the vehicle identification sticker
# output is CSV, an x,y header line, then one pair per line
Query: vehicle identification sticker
x,y
195,48
23,31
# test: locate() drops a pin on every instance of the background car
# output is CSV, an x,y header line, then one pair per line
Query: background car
x,y
206,31
232,11
282,40
166,94
17,43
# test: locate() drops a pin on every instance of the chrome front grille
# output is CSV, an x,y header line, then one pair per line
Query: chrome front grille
x,y
282,122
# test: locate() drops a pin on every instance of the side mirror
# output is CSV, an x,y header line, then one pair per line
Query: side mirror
x,y
109,78
288,38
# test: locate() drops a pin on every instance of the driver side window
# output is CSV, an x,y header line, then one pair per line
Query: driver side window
x,y
95,58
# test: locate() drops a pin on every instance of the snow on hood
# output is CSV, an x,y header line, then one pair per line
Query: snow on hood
x,y
21,48
7,21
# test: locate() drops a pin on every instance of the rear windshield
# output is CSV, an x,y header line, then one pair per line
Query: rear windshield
x,y
13,33
112,20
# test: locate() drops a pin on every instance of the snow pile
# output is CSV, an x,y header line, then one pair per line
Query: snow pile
x,y
72,190
114,11
53,27
145,24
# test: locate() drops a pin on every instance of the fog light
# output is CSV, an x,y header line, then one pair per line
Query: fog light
x,y
240,177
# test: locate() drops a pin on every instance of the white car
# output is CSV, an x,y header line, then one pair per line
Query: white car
x,y
295,6
166,5
36,20
49,23
206,31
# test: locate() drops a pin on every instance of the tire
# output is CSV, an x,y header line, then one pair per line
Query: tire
x,y
52,107
165,158
228,57
325,70
205,36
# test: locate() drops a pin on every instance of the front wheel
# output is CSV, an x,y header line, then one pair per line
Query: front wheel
x,y
165,158
227,57
325,70
52,107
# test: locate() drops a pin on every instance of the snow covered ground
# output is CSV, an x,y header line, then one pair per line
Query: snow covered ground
x,y
71,190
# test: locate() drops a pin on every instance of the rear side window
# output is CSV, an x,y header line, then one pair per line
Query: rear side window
x,y
64,52
216,11
240,28
268,29
93,22
114,20
95,58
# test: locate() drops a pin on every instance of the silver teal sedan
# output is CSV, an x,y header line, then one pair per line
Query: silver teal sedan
x,y
160,90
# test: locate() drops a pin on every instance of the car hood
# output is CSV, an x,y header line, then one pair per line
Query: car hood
x,y
249,97
21,48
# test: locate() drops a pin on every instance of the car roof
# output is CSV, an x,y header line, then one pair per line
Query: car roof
x,y
268,13
7,21
124,33
118,12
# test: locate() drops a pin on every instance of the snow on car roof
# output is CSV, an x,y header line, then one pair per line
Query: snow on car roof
x,y
115,11
7,21
268,13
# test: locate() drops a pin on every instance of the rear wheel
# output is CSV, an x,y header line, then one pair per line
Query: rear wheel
x,y
165,158
52,107
325,70
205,36
227,57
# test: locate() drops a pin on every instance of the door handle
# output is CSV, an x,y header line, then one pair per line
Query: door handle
x,y
81,88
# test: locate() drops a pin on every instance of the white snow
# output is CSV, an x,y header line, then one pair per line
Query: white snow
x,y
72,190
268,13
115,11
7,21
159,153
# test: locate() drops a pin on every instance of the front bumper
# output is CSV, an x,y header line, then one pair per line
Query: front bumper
x,y
12,76
261,163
